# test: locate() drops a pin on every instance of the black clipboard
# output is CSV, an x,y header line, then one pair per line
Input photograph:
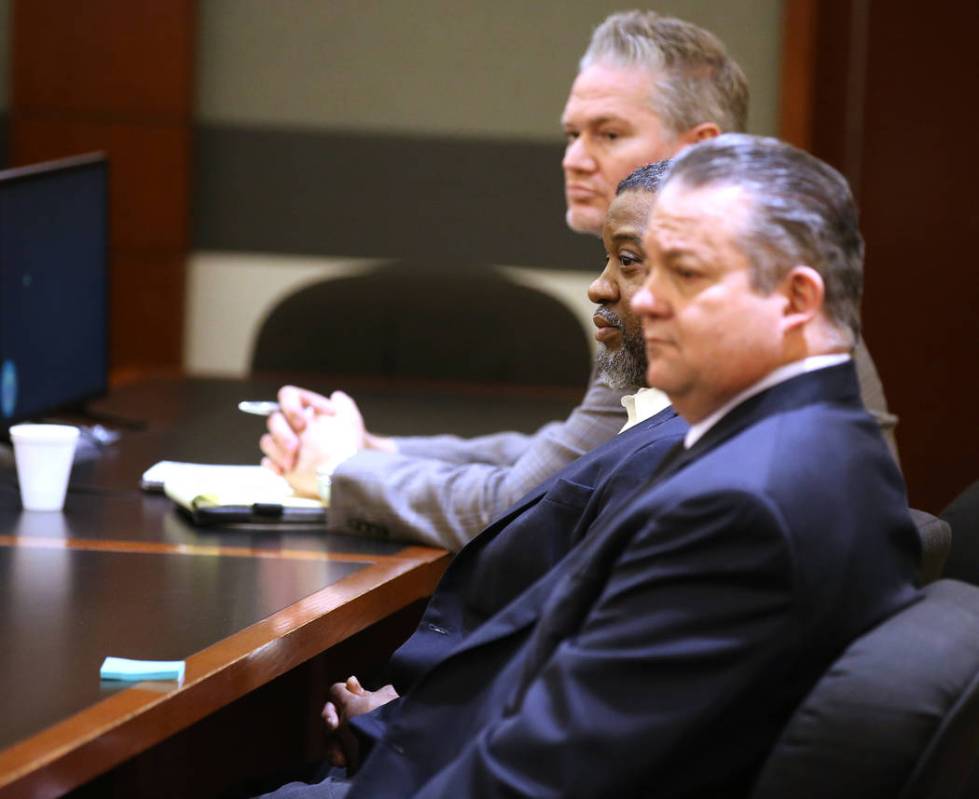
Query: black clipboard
x,y
205,513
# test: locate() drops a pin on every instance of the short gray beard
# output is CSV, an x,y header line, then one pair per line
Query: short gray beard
x,y
624,369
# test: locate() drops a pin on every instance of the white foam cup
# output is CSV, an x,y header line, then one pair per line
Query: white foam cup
x,y
44,453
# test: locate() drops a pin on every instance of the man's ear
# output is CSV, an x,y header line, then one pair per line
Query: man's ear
x,y
804,291
698,133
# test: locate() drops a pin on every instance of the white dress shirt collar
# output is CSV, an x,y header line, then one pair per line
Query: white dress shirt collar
x,y
773,378
642,405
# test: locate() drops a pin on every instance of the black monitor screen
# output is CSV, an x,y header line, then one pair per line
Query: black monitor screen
x,y
53,286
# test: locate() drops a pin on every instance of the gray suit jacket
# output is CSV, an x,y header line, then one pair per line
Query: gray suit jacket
x,y
442,490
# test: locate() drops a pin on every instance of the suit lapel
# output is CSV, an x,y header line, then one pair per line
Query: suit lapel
x,y
833,383
567,600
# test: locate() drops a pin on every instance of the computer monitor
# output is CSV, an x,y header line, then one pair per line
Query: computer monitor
x,y
53,286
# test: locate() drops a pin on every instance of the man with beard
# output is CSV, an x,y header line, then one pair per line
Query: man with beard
x,y
647,87
538,531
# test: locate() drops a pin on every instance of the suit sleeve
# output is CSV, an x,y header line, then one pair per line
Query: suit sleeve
x,y
695,614
446,496
498,449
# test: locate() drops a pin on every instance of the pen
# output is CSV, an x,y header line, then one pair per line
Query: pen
x,y
258,407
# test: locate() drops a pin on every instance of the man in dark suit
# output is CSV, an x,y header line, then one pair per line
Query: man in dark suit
x,y
533,535
665,649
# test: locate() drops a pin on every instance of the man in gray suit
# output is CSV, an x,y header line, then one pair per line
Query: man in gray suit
x,y
647,87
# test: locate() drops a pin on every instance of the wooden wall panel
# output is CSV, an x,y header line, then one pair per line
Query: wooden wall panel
x,y
117,76
107,57
149,173
145,299
797,72
891,107
920,169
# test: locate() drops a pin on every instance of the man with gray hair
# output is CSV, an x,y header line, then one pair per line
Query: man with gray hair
x,y
647,87
665,650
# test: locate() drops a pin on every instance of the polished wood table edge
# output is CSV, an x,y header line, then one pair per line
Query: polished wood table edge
x,y
74,751
205,550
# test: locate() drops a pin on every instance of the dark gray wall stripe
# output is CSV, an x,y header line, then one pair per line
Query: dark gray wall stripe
x,y
444,200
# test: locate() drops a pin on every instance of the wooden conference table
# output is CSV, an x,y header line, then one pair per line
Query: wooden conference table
x,y
122,573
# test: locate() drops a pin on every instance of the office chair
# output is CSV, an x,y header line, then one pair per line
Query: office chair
x,y
962,515
408,320
936,543
896,716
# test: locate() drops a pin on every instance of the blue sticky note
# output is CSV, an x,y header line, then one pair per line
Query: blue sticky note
x,y
136,670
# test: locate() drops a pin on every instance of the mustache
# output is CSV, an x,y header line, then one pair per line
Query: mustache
x,y
610,316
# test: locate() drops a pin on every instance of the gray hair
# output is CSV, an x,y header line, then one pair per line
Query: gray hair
x,y
802,213
696,80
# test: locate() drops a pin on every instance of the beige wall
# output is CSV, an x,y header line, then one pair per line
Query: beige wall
x,y
470,68
429,67
467,67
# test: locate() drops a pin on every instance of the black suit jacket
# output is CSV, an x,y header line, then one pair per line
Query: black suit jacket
x,y
663,653
524,543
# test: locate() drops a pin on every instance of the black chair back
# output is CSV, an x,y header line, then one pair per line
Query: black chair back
x,y
962,516
936,542
896,716
408,320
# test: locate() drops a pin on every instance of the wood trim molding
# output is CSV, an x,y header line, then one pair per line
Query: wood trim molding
x,y
798,62
118,76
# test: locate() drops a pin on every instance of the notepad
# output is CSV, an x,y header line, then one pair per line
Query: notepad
x,y
215,494
137,670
